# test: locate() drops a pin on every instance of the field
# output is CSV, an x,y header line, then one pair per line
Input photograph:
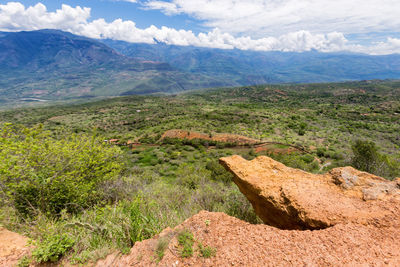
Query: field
x,y
158,182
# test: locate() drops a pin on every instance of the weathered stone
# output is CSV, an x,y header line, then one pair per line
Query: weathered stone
x,y
293,199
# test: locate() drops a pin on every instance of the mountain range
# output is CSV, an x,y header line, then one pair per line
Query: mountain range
x,y
257,67
55,65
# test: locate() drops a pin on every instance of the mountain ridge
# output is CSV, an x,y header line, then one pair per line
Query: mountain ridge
x,y
256,67
56,65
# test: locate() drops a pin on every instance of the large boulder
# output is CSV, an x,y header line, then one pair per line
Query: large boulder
x,y
289,198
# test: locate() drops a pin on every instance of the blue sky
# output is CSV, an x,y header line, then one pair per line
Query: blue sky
x,y
364,26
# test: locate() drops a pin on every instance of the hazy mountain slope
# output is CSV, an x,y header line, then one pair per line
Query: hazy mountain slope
x,y
51,64
250,67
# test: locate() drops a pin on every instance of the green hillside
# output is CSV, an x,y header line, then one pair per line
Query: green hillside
x,y
89,179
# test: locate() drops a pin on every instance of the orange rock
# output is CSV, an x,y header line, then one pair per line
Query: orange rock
x,y
294,199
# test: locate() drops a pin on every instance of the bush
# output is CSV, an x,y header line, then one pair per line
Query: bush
x,y
52,248
367,158
38,172
218,173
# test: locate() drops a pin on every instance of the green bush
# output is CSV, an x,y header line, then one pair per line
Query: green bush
x,y
218,173
367,158
52,248
38,172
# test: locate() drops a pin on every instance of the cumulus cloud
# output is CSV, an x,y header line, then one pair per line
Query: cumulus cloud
x,y
275,17
15,16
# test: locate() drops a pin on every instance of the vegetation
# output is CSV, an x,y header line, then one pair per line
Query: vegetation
x,y
52,248
40,173
80,197
207,252
186,240
367,158
162,245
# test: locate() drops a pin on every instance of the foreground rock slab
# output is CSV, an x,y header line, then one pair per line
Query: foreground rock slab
x,y
238,243
289,198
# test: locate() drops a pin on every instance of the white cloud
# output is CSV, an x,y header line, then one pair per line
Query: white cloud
x,y
391,46
15,17
258,18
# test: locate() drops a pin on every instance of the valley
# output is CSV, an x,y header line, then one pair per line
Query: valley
x,y
150,162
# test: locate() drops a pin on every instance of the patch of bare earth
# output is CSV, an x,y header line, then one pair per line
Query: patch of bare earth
x,y
219,137
13,247
239,243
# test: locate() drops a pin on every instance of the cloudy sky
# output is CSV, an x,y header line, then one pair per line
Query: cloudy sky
x,y
365,26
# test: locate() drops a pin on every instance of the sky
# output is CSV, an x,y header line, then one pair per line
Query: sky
x,y
361,26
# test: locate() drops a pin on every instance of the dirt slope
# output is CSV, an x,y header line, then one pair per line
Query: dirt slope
x,y
12,247
239,243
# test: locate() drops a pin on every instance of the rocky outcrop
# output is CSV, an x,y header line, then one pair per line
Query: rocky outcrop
x,y
293,199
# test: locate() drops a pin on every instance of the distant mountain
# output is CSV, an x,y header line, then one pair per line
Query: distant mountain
x,y
55,65
49,49
251,67
51,64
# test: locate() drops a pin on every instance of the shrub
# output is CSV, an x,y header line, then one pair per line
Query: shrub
x,y
52,248
38,172
367,158
218,173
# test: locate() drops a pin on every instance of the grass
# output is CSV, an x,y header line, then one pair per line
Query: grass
x,y
186,240
207,251
162,245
